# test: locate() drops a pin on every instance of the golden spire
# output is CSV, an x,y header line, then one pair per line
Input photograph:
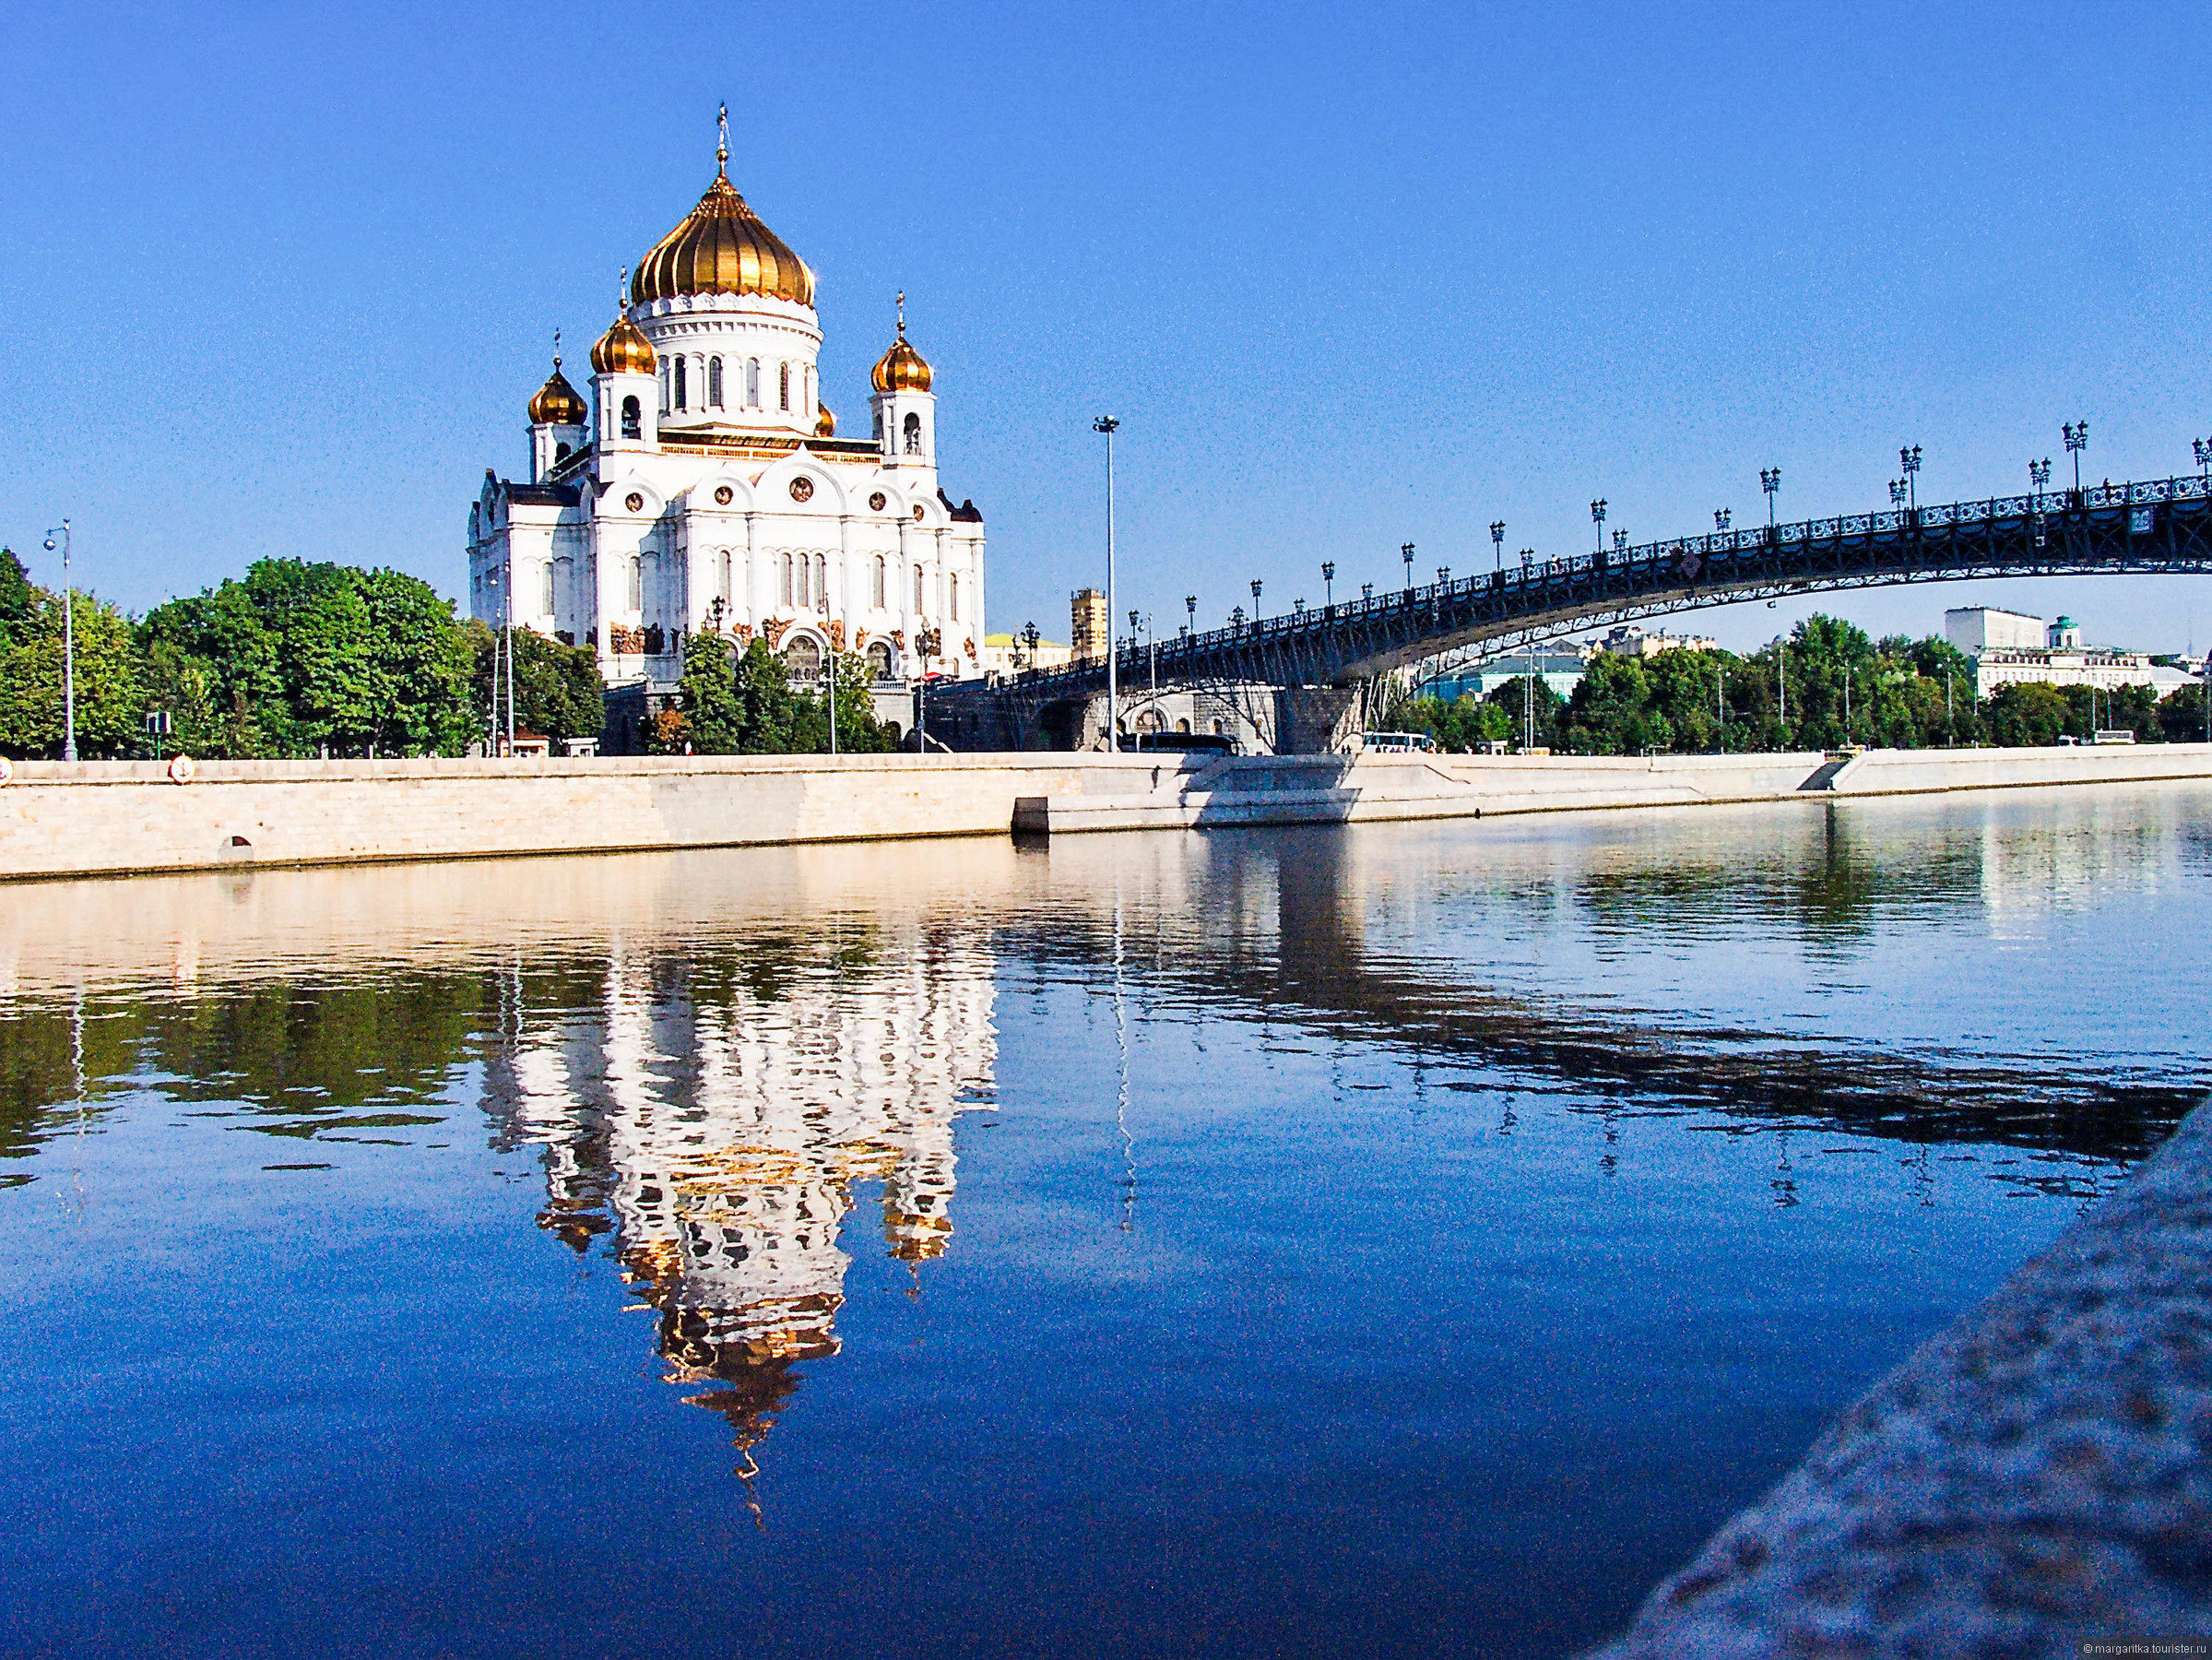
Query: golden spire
x,y
722,146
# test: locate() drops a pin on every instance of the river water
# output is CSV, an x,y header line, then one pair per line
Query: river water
x,y
1398,1240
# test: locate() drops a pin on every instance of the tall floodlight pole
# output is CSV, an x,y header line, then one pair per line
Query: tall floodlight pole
x,y
1108,426
1770,481
68,645
1498,543
2077,440
1329,582
1597,517
1909,458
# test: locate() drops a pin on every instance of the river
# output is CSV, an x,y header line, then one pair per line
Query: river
x,y
1399,1239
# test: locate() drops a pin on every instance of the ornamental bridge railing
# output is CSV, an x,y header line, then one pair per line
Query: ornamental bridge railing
x,y
2163,525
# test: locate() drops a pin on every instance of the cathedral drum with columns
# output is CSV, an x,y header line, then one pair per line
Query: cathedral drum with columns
x,y
704,488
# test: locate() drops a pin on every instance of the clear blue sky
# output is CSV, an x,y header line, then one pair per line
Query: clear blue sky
x,y
280,279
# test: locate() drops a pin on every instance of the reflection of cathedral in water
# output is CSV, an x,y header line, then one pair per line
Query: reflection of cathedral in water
x,y
717,1117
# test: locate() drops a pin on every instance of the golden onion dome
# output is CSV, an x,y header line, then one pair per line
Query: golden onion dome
x,y
723,248
825,423
902,369
623,349
558,403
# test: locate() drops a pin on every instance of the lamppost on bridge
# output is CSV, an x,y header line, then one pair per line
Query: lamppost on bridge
x,y
2077,440
1443,576
1329,582
1236,619
1909,458
1528,559
2203,446
1498,542
1031,634
1896,495
1190,607
1620,541
1367,590
1406,554
1721,518
1255,599
1770,481
68,644
2039,478
1107,426
1597,517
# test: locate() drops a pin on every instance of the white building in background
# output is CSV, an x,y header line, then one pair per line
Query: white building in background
x,y
2008,648
1628,640
704,488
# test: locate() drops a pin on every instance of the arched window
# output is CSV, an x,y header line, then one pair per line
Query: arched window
x,y
714,381
914,433
878,426
954,607
787,584
878,660
637,582
679,381
1221,728
545,589
917,590
1182,725
879,599
664,386
562,452
803,659
786,385
753,383
822,580
724,590
633,419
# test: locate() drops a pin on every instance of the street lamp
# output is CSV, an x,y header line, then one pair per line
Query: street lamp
x,y
1255,599
1498,542
1190,605
1236,618
1897,494
68,645
1721,518
1367,590
2203,446
1770,481
1909,458
2077,440
1620,541
1329,582
1597,517
1443,576
1107,426
2039,478
1031,635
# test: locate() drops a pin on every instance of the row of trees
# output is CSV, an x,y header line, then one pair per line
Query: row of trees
x,y
742,702
1828,683
293,660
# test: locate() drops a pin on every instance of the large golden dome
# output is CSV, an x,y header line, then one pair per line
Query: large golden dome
x,y
723,248
558,403
623,349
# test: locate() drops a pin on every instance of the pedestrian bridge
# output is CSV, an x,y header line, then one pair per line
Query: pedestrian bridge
x,y
2162,525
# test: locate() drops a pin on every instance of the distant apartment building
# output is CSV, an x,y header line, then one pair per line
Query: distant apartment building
x,y
1633,642
1561,669
1090,627
2009,647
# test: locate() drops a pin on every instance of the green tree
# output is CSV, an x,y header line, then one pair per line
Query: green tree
x,y
32,692
558,691
16,594
2181,715
2028,713
1520,698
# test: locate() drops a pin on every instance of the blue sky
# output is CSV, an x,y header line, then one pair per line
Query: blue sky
x,y
280,281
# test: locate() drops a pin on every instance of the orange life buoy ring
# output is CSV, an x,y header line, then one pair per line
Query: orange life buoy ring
x,y
182,769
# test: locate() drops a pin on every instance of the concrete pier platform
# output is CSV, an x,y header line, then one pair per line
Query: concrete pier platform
x,y
2035,1481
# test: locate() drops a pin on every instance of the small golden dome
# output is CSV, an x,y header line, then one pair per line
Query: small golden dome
x,y
558,403
623,349
723,248
902,369
825,423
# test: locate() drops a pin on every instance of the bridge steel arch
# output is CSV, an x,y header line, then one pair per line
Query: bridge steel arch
x,y
2159,526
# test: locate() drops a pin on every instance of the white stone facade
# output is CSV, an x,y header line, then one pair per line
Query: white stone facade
x,y
709,493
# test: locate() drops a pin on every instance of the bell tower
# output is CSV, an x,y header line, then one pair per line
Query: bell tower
x,y
623,385
560,422
905,412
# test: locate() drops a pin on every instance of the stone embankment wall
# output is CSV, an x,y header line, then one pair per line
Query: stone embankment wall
x,y
114,818
2035,1481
